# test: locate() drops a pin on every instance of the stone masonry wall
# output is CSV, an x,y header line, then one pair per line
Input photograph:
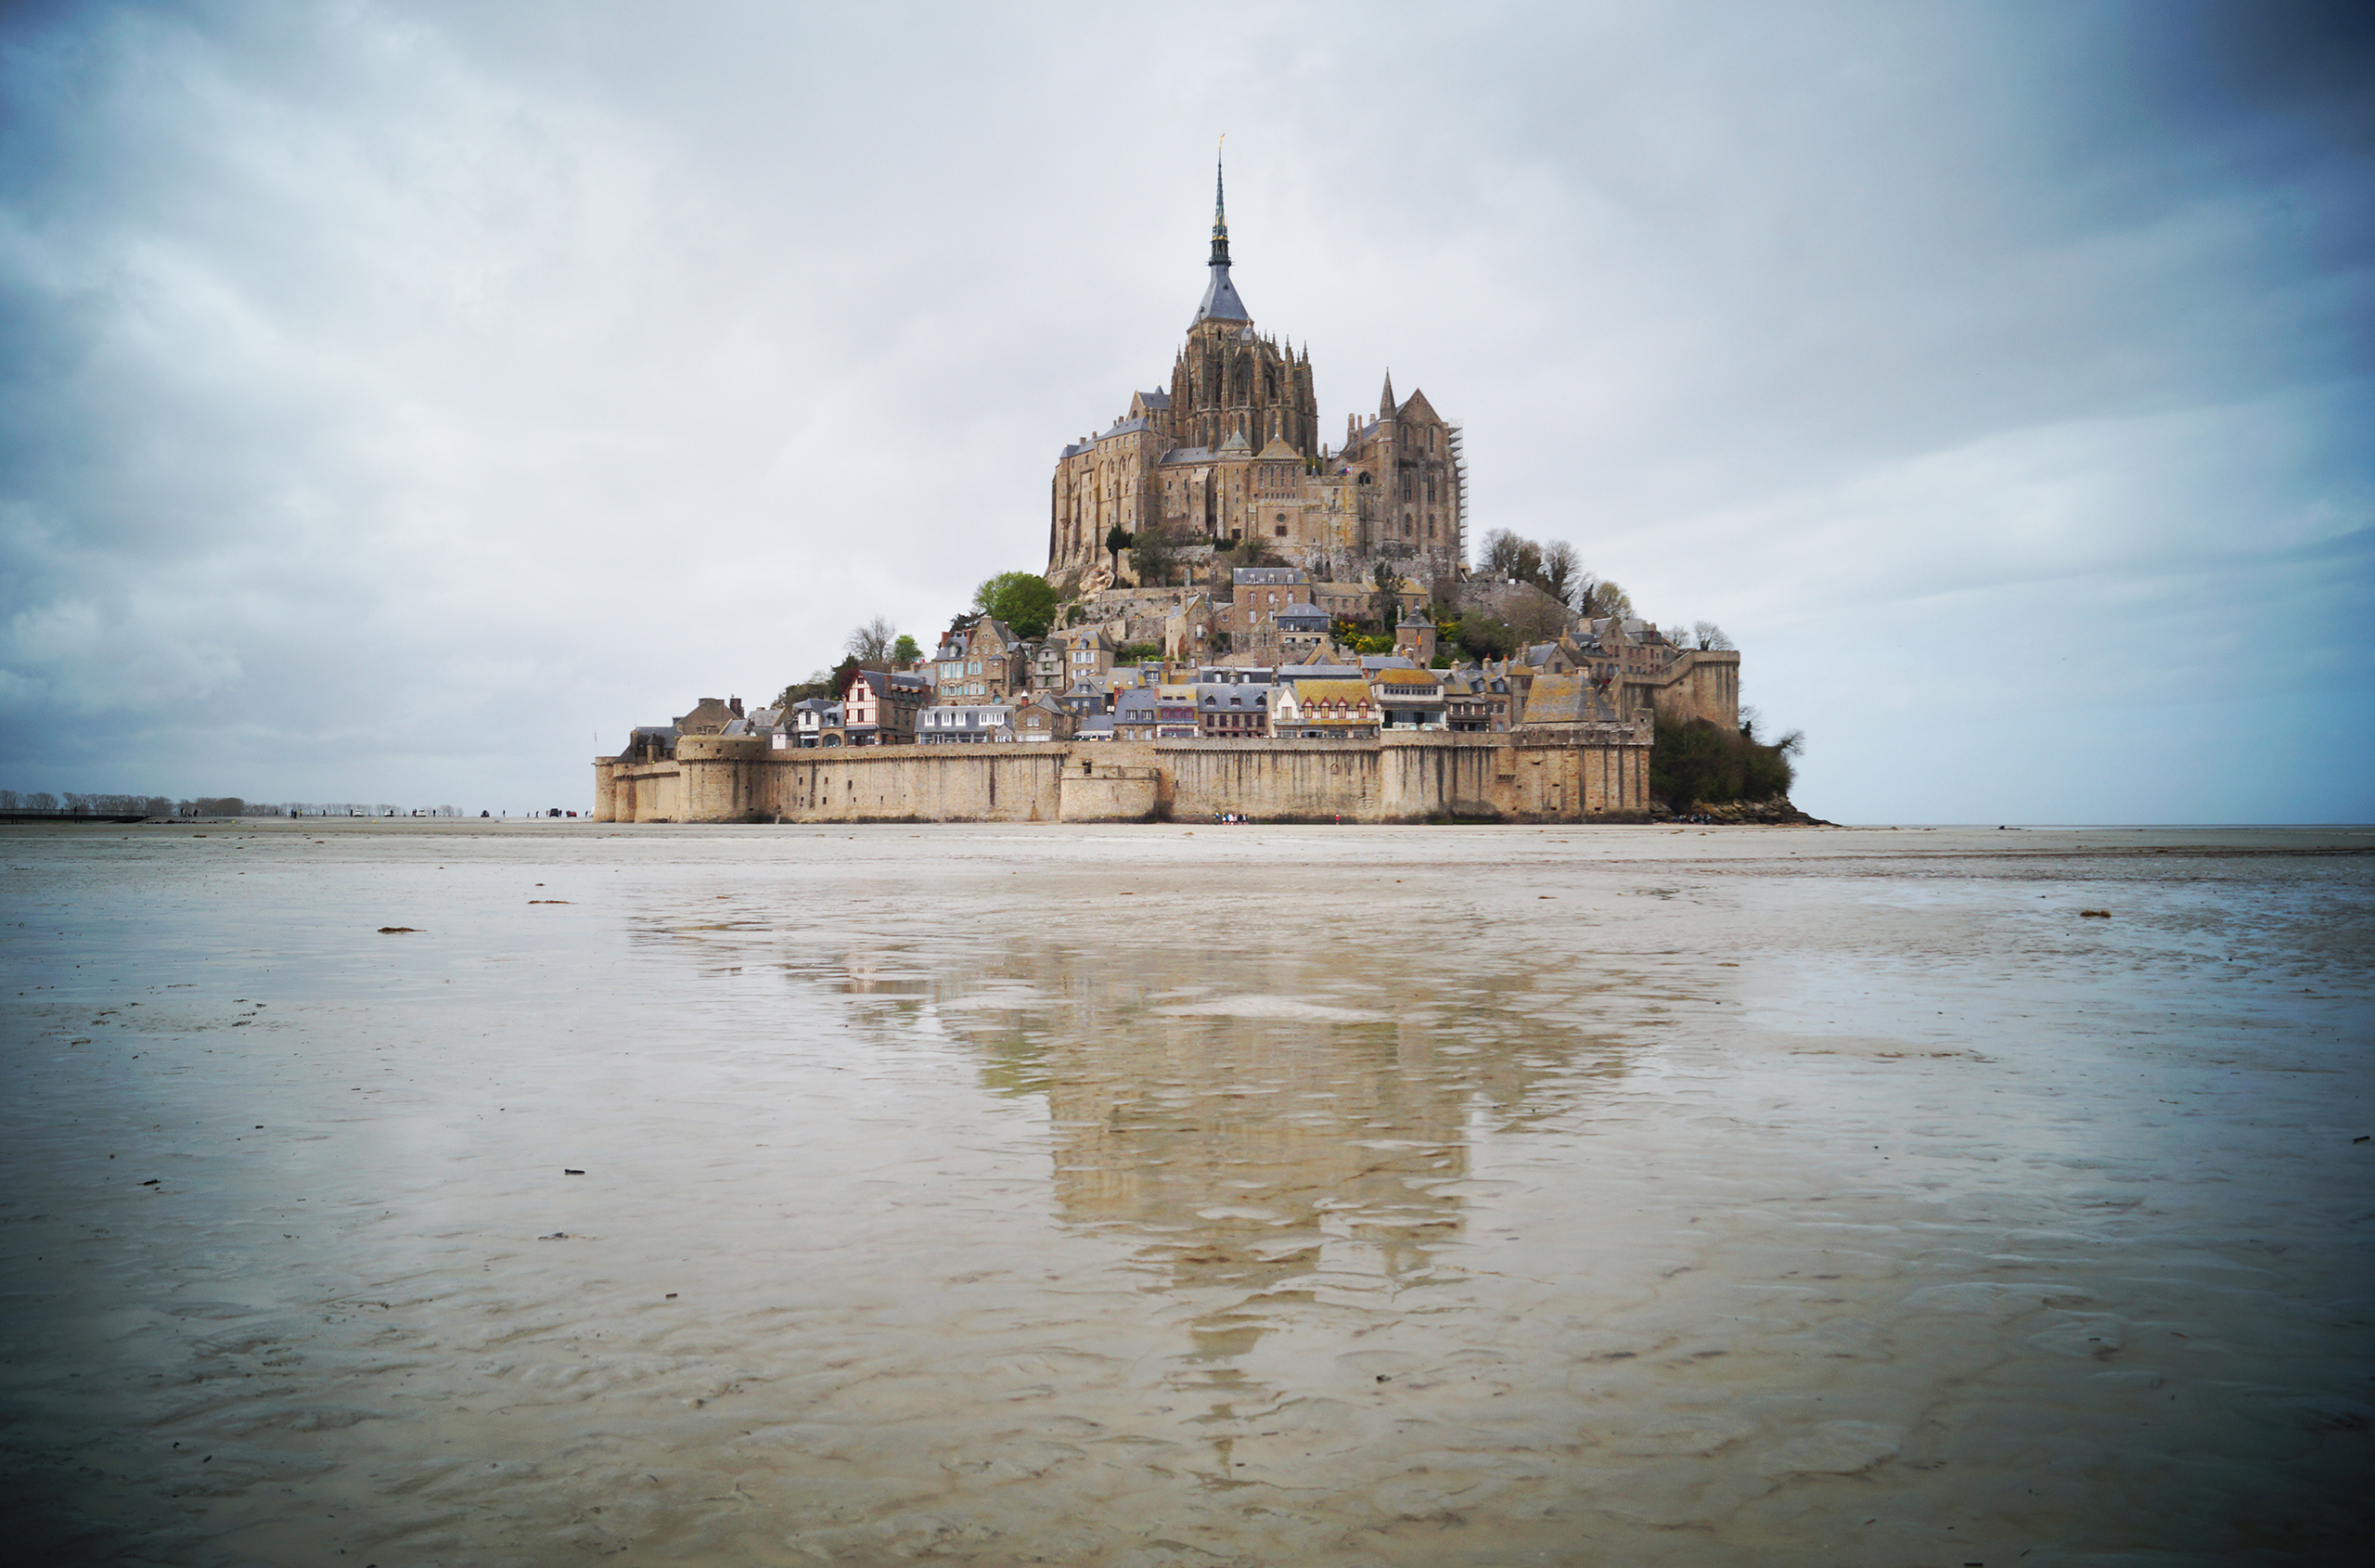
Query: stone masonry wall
x,y
1558,773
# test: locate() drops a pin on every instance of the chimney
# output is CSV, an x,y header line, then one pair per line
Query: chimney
x,y
734,706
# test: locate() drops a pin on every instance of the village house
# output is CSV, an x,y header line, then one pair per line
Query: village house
x,y
1408,699
1302,630
1475,702
1129,677
1086,699
950,724
1042,720
1258,594
1323,710
816,721
1046,661
879,707
651,743
1343,601
1087,652
1415,637
758,722
1134,714
982,663
1188,631
710,716
1233,703
1175,713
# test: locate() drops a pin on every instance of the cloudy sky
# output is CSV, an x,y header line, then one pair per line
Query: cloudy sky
x,y
399,401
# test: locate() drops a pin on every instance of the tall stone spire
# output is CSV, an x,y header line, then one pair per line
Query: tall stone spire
x,y
1219,302
1385,404
1220,217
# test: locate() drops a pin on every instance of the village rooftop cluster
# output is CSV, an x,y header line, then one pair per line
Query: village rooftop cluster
x,y
1257,656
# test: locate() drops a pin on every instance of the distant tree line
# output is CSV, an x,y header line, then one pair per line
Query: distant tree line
x,y
76,803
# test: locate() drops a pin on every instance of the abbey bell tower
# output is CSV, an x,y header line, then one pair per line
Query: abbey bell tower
x,y
1227,380
1231,453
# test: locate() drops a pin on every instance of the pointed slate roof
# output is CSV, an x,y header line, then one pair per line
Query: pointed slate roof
x,y
1219,302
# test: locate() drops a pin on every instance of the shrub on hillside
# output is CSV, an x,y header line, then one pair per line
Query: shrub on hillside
x,y
1695,763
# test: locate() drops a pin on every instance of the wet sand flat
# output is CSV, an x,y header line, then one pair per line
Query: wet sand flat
x,y
1185,1194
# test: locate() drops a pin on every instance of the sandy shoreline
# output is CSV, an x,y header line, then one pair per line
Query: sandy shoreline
x,y
1187,1193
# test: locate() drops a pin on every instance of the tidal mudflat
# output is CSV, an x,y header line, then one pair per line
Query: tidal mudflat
x,y
1185,1194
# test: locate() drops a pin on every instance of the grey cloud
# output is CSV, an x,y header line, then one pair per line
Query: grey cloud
x,y
392,399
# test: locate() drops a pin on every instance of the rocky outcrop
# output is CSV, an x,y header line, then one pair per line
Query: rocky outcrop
x,y
1775,813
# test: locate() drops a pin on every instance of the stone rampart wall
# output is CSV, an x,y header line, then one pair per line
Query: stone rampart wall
x,y
1702,684
1560,773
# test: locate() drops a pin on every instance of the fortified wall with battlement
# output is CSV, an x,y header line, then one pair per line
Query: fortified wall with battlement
x,y
1594,771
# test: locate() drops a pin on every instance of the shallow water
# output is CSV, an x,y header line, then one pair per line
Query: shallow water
x,y
1153,1196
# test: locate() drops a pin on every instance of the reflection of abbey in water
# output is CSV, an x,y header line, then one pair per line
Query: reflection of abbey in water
x,y
1231,453
1293,1136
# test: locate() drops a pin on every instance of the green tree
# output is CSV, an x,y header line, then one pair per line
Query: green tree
x,y
1596,596
1155,556
1021,600
1696,763
905,650
820,683
1385,596
1480,633
1117,539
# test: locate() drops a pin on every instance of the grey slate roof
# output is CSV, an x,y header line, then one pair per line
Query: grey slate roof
x,y
1235,696
1219,302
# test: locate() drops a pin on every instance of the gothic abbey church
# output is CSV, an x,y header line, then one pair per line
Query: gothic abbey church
x,y
1232,452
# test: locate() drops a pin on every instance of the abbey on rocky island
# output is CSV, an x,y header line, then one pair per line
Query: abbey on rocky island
x,y
1231,453
1241,667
